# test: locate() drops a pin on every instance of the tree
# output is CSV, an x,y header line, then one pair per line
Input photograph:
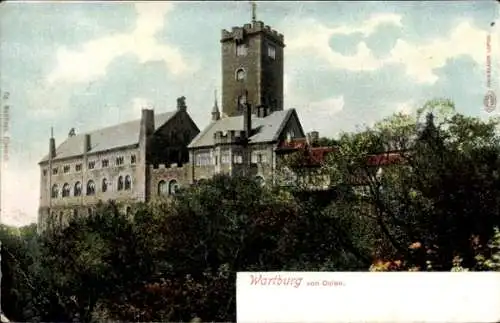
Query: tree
x,y
442,191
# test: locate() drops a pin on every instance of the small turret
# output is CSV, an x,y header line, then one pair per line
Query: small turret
x,y
215,110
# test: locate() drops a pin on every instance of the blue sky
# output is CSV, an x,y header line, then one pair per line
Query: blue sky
x,y
87,65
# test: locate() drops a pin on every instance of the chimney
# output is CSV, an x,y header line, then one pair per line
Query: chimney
x,y
313,136
181,104
147,121
247,120
86,143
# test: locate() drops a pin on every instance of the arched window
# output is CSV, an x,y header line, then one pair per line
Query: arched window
x,y
128,182
260,180
65,190
90,187
55,191
61,215
75,213
78,189
104,186
162,188
240,74
89,211
120,183
173,186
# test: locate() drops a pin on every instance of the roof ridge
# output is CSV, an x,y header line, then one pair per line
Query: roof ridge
x,y
123,123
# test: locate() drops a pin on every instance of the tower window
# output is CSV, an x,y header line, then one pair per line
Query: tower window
x,y
91,165
271,51
105,163
241,50
78,167
240,74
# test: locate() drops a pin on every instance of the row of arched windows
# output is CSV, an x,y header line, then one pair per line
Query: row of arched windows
x,y
124,183
169,188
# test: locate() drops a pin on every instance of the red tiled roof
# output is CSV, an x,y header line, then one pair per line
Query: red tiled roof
x,y
315,156
294,144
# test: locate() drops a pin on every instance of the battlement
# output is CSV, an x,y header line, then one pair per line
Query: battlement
x,y
231,137
163,166
239,33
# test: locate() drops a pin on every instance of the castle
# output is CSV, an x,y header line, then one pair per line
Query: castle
x,y
145,159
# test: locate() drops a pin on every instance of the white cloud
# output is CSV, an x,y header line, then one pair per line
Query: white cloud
x,y
319,115
316,37
92,60
420,59
19,185
407,107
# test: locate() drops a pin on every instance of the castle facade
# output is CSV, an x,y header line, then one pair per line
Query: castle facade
x,y
149,158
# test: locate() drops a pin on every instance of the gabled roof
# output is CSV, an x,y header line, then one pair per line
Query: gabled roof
x,y
117,136
266,129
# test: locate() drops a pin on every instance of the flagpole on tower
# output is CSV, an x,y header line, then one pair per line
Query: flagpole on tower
x,y
254,11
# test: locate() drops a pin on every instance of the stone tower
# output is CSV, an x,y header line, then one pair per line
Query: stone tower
x,y
252,62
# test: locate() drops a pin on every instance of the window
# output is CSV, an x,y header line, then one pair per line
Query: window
x,y
66,169
132,159
128,210
105,163
120,183
54,171
61,215
119,161
271,51
240,74
203,159
241,50
89,211
44,172
91,165
75,213
55,191
90,187
238,159
104,185
162,188
172,187
128,182
78,167
65,190
78,189
225,159
216,160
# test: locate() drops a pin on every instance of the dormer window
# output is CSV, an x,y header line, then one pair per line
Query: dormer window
x,y
241,50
